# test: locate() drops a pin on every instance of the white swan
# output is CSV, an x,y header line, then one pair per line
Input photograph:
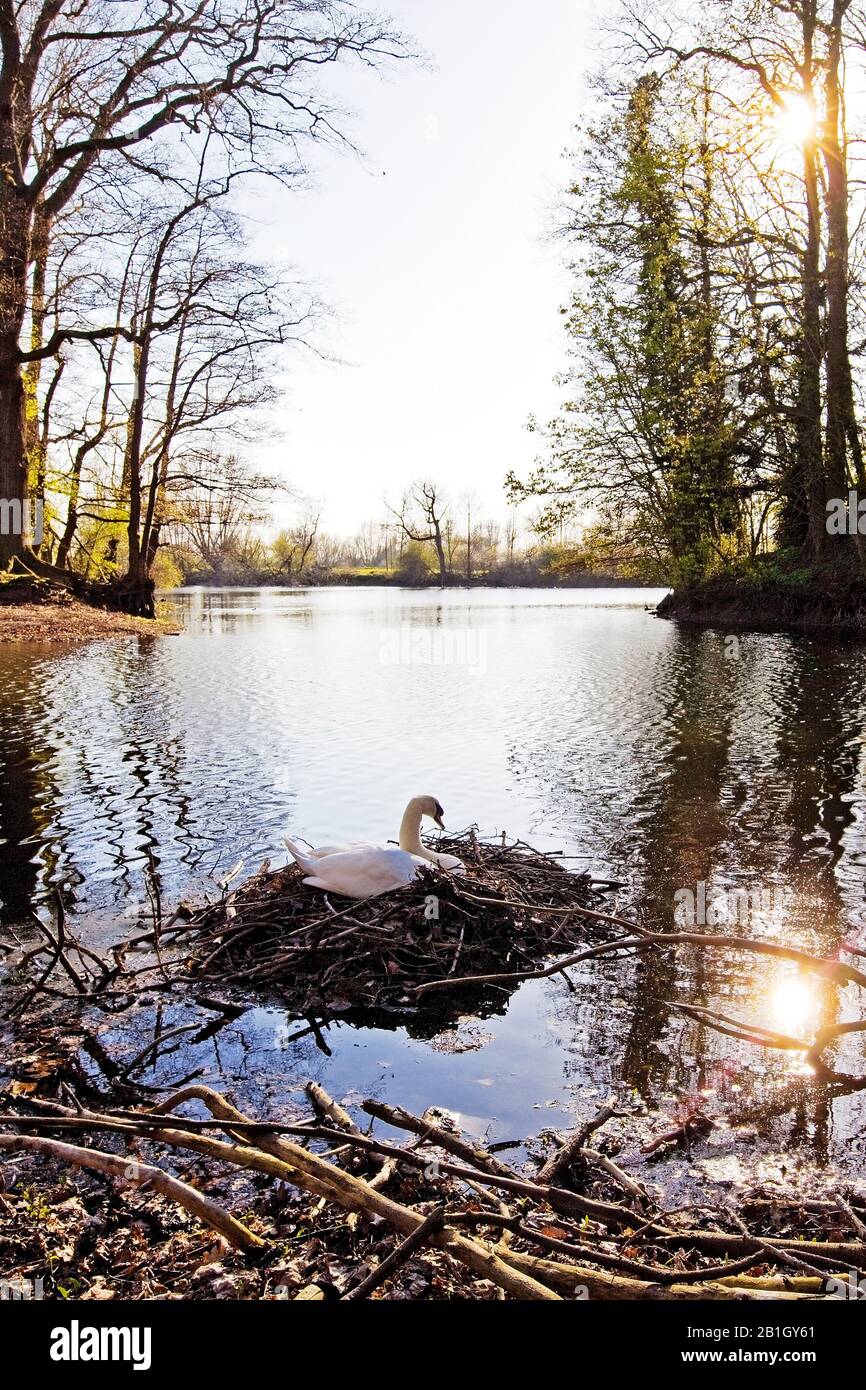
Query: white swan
x,y
364,871
409,837
358,873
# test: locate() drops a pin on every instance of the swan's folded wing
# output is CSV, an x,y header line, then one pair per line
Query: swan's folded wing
x,y
363,873
452,864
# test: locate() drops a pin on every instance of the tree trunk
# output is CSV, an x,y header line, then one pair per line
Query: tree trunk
x,y
35,453
14,256
440,555
136,567
153,542
72,510
809,384
842,427
155,506
803,518
13,487
70,528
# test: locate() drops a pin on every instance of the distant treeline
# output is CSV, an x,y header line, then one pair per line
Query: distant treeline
x,y
544,571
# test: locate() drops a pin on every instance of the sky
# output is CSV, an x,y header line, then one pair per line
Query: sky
x,y
435,251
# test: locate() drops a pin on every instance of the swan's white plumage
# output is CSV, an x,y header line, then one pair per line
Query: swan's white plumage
x,y
358,873
362,870
322,851
444,861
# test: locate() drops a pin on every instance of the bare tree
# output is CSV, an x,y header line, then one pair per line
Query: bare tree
x,y
218,514
512,528
199,332
110,83
368,546
422,516
224,504
294,548
210,368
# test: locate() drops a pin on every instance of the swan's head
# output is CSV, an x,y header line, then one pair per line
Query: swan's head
x,y
429,806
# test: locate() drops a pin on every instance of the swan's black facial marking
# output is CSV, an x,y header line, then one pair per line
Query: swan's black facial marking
x,y
438,815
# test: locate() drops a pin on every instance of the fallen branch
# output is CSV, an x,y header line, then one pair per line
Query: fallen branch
x,y
430,1226
140,1174
562,1160
399,1118
327,1106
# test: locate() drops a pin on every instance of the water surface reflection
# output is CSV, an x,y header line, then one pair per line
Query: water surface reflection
x,y
576,720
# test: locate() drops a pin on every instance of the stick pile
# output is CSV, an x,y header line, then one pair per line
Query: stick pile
x,y
579,1228
514,908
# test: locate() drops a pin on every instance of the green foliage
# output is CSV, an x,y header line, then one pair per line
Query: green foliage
x,y
166,572
663,433
671,328
414,567
35,1205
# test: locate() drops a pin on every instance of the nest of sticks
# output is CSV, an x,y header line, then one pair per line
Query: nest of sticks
x,y
513,908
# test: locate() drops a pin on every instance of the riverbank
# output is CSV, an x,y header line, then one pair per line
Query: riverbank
x,y
772,596
66,619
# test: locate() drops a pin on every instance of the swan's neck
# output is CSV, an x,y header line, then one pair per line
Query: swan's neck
x,y
410,833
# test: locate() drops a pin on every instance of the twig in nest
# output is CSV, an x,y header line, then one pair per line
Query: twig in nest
x,y
853,1219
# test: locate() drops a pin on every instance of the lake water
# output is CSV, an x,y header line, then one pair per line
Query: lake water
x,y
576,719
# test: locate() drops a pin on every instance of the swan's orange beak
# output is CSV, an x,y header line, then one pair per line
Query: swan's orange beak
x,y
437,818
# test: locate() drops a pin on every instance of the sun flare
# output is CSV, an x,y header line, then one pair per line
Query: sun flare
x,y
795,121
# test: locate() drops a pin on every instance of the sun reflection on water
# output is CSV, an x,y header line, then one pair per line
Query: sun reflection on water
x,y
792,1005
792,1008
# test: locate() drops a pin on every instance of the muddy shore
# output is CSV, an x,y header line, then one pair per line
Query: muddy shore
x,y
70,620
